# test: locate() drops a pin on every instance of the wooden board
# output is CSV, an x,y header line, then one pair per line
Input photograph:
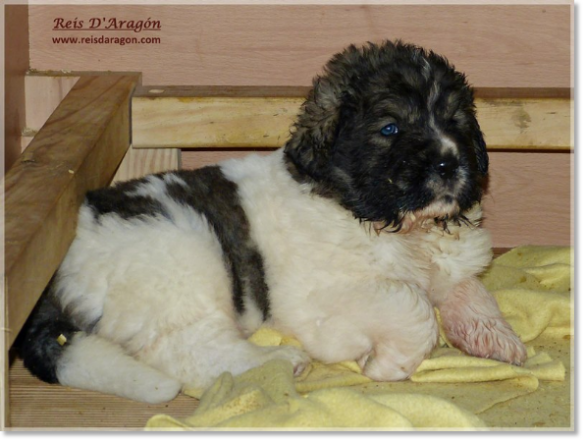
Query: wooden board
x,y
497,45
25,140
43,93
194,159
79,148
198,120
526,123
16,58
212,122
140,162
528,200
16,62
37,405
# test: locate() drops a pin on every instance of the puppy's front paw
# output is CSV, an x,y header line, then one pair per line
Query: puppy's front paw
x,y
382,371
299,359
488,338
388,363
473,323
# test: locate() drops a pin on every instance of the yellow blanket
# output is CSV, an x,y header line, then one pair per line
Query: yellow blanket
x,y
533,287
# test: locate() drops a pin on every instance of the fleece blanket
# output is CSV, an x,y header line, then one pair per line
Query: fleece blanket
x,y
450,390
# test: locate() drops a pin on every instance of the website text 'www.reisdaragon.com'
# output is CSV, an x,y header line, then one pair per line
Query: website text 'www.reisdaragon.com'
x,y
104,40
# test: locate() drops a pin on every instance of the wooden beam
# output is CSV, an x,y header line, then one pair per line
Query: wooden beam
x,y
26,137
140,162
78,149
43,93
16,62
526,123
16,56
194,122
186,118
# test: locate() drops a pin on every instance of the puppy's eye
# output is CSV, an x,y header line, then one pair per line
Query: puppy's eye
x,y
389,129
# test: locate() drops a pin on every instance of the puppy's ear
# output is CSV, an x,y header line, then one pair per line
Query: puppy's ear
x,y
480,149
317,125
315,130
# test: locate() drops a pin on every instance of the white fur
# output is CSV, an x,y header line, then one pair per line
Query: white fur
x,y
164,296
93,363
447,145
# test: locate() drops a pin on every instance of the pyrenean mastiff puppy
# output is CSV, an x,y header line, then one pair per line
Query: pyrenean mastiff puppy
x,y
347,238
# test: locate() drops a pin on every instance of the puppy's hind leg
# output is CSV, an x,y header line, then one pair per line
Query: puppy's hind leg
x,y
54,349
198,353
473,322
93,363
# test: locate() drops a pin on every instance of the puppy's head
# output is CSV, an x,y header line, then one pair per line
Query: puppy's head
x,y
390,132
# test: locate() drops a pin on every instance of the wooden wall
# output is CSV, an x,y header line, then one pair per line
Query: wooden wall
x,y
522,45
16,58
496,45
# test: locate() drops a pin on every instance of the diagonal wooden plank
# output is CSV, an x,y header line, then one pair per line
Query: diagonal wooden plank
x,y
79,148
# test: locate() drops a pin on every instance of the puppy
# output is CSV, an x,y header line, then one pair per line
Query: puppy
x,y
346,238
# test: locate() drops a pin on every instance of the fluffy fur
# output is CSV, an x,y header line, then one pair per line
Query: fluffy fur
x,y
346,238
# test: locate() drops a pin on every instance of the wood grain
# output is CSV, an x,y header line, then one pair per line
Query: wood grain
x,y
37,405
212,122
191,121
165,91
528,199
16,58
140,162
194,159
79,148
25,140
16,63
259,45
43,95
526,123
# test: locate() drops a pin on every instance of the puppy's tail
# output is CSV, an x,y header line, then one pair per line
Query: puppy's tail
x,y
56,351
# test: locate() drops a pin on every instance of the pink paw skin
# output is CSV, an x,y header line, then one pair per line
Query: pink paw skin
x,y
473,323
488,338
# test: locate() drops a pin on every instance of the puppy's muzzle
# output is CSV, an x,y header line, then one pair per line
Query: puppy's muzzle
x,y
446,167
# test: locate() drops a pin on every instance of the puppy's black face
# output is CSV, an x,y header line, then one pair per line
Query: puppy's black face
x,y
390,132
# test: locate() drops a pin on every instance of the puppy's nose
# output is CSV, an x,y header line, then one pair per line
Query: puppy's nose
x,y
446,167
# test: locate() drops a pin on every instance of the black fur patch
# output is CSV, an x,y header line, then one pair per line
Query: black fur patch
x,y
38,345
338,147
210,193
115,199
